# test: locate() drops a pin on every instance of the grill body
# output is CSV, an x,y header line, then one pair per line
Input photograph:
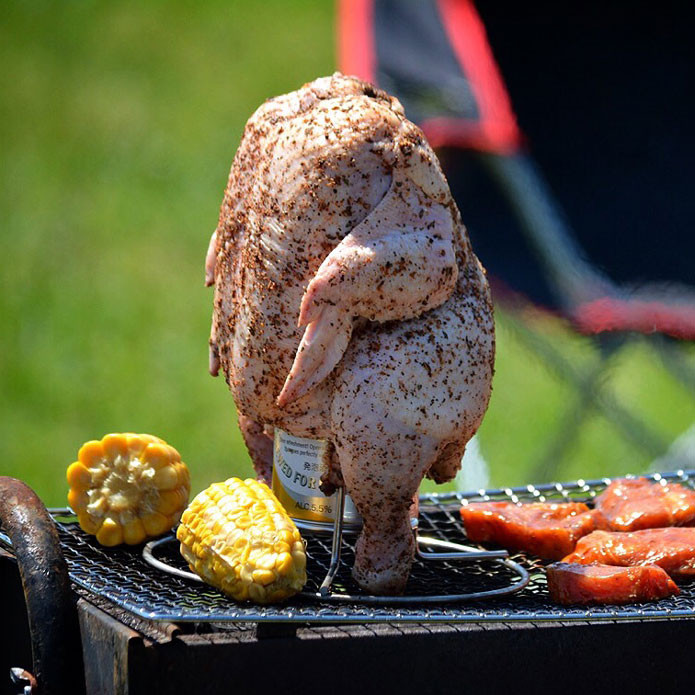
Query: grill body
x,y
408,658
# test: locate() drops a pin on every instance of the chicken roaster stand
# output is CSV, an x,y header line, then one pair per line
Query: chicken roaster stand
x,y
448,551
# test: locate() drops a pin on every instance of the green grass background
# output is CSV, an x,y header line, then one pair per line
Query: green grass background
x,y
118,124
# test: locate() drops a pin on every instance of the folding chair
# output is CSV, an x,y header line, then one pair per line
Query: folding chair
x,y
435,57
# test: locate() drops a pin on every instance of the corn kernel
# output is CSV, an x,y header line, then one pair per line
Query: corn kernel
x,y
286,536
78,476
171,501
263,576
155,524
136,444
267,562
299,558
243,521
283,563
110,533
257,593
240,544
78,500
134,532
182,471
91,454
87,524
166,478
240,592
157,455
274,596
115,445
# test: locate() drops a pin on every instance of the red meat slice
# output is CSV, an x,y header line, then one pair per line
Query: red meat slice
x,y
630,505
571,583
549,531
673,549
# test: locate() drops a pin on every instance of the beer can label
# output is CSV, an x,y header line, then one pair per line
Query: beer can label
x,y
298,463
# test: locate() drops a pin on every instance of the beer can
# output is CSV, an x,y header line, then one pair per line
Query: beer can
x,y
297,466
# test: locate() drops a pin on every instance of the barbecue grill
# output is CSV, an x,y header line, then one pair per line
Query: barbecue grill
x,y
144,620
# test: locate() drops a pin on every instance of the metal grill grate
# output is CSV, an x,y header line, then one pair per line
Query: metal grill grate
x,y
123,576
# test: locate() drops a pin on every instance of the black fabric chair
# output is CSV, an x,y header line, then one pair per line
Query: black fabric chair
x,y
604,100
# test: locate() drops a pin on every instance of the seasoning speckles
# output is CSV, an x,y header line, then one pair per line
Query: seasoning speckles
x,y
349,305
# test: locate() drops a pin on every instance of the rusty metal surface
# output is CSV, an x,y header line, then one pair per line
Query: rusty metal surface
x,y
153,630
16,651
106,645
597,658
50,605
422,658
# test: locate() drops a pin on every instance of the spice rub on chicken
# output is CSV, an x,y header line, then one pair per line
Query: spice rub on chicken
x,y
349,305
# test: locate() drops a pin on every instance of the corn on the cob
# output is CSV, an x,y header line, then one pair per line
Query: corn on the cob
x,y
237,537
127,488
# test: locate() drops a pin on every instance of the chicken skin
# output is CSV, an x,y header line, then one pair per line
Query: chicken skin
x,y
349,305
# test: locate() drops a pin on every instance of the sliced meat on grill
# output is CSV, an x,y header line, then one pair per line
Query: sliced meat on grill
x,y
631,505
569,583
549,531
673,549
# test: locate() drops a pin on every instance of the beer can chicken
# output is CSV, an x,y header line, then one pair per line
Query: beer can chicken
x,y
547,530
672,549
585,584
349,305
630,505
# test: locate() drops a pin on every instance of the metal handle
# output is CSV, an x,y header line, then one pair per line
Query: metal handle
x,y
457,551
51,610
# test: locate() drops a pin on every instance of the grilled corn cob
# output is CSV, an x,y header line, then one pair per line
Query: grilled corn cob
x,y
237,537
127,488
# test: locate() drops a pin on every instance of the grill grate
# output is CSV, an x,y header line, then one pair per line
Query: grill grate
x,y
123,576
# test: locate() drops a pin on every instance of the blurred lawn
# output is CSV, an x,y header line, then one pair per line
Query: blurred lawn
x,y
118,123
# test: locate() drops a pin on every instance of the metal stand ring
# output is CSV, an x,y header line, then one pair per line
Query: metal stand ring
x,y
447,551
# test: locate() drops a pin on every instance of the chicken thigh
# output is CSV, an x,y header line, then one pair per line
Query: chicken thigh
x,y
349,305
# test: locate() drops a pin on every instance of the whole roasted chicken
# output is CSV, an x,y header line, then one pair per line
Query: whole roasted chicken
x,y
349,306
